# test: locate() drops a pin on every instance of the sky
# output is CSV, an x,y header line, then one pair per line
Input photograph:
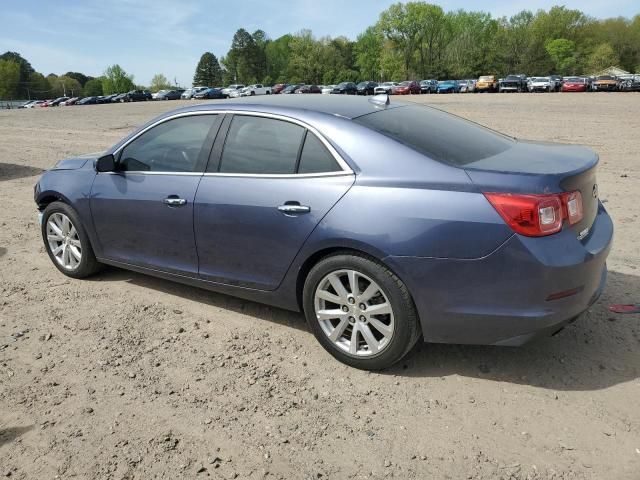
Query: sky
x,y
146,37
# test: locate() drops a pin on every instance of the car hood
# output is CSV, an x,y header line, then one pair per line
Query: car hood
x,y
75,163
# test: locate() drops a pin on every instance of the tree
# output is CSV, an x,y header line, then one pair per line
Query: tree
x,y
93,87
367,53
9,79
25,70
278,53
562,52
159,82
116,80
602,57
401,24
80,77
64,86
208,72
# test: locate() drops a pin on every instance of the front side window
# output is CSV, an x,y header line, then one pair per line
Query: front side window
x,y
258,145
172,146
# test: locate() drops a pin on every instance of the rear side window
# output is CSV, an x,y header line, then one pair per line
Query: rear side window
x,y
436,134
261,146
315,158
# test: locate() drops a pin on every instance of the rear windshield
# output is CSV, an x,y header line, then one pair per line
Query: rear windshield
x,y
436,134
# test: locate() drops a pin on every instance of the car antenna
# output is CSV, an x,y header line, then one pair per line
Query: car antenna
x,y
380,99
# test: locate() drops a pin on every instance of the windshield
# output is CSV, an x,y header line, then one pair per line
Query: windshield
x,y
486,78
575,80
605,77
408,125
405,83
540,79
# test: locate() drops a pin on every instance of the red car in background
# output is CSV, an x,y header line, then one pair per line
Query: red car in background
x,y
407,87
278,87
308,89
575,84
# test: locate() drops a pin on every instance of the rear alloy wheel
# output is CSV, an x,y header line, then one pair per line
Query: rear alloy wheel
x,y
360,311
67,242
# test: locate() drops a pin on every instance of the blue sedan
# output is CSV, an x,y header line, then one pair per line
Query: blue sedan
x,y
344,208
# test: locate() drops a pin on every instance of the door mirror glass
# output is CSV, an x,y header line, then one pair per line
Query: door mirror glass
x,y
105,164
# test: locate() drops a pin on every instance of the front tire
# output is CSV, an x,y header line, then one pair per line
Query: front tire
x,y
360,311
67,242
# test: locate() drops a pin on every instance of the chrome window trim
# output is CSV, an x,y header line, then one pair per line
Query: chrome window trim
x,y
346,170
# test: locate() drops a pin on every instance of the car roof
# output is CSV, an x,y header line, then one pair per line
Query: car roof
x,y
339,105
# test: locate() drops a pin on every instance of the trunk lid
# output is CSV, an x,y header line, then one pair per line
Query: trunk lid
x,y
542,168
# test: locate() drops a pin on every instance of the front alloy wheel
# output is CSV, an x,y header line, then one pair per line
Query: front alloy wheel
x,y
64,241
67,242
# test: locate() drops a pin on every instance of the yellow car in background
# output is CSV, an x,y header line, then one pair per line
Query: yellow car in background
x,y
605,83
487,83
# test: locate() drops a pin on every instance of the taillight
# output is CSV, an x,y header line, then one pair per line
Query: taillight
x,y
572,203
537,215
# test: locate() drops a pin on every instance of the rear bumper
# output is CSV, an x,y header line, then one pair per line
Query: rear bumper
x,y
501,299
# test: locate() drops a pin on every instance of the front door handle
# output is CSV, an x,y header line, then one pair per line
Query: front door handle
x,y
294,209
174,201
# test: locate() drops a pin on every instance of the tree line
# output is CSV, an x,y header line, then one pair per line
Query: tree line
x,y
415,40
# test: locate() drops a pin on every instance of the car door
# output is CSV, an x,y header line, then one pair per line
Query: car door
x,y
143,211
269,183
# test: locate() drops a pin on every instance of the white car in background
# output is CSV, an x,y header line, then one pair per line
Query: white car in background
x,y
540,84
190,92
386,87
234,86
255,89
327,89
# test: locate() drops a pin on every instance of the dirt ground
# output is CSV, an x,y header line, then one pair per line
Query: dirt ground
x,y
127,376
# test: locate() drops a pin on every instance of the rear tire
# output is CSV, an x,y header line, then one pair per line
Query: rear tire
x,y
348,328
65,239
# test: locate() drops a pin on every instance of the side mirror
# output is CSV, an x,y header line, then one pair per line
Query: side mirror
x,y
105,164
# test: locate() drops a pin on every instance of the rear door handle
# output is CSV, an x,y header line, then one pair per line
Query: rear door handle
x,y
174,201
294,209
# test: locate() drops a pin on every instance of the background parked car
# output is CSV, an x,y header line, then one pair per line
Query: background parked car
x,y
407,87
209,93
385,87
575,84
345,88
513,83
88,101
57,101
467,86
448,86
278,87
255,89
605,83
487,83
236,86
309,89
327,89
556,82
190,92
106,98
428,86
540,84
630,84
169,95
69,102
366,88
291,88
